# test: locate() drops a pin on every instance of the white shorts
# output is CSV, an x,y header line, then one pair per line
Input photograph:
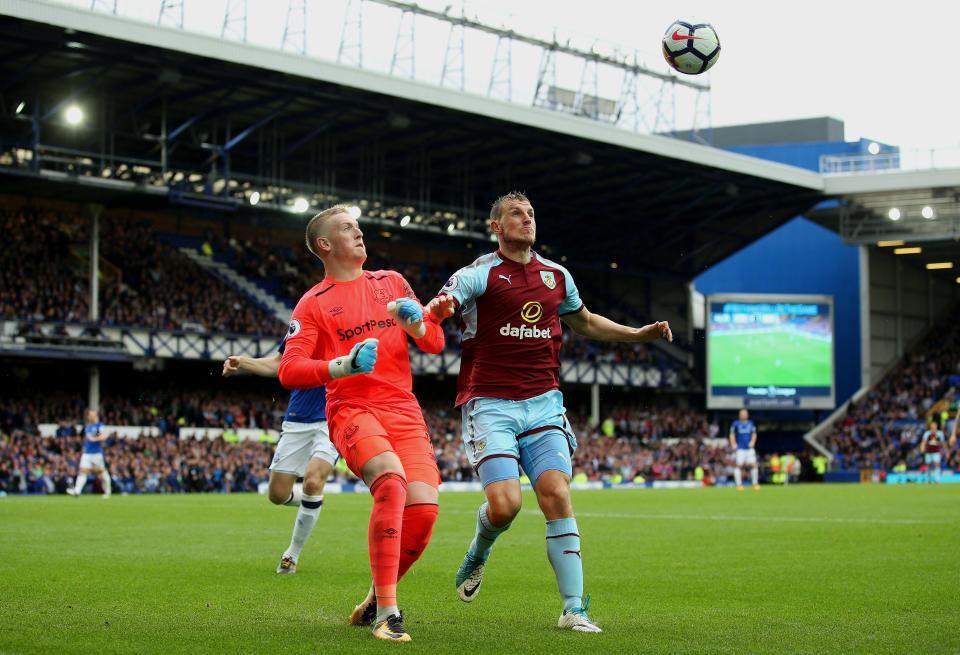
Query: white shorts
x,y
746,456
299,442
92,461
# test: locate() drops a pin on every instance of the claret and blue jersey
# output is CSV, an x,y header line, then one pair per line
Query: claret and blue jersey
x,y
743,431
510,321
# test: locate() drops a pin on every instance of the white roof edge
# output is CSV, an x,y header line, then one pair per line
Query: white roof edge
x,y
126,29
838,185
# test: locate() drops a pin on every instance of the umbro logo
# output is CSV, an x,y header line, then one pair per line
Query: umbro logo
x,y
507,278
391,532
336,311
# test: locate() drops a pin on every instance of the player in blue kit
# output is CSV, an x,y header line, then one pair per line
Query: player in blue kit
x,y
743,437
304,451
91,461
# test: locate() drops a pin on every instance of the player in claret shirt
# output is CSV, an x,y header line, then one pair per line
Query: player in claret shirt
x,y
349,333
512,302
931,445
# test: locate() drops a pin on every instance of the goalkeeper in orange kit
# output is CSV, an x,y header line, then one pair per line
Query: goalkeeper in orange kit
x,y
349,333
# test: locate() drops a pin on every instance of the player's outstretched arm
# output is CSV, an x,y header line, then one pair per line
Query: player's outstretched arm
x,y
409,315
426,333
441,307
601,328
242,365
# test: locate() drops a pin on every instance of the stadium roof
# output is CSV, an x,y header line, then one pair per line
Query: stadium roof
x,y
656,205
926,205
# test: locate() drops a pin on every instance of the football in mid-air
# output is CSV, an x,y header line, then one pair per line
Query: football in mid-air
x,y
691,48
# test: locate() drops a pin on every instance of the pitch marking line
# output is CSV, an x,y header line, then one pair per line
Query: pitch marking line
x,y
727,517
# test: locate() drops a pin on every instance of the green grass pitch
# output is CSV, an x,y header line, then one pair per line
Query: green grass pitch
x,y
804,569
777,358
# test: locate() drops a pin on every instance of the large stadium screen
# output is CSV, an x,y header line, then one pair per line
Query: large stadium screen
x,y
770,351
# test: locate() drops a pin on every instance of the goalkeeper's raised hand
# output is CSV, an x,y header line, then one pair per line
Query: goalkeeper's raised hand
x,y
409,315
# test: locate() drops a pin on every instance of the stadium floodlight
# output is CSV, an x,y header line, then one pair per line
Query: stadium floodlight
x,y
614,265
936,266
73,115
254,197
450,228
874,148
890,244
20,107
301,205
927,212
405,221
354,212
913,250
894,214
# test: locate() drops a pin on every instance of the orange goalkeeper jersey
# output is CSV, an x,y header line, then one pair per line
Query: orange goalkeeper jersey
x,y
334,316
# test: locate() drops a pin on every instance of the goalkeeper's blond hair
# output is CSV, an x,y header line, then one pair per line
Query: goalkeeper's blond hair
x,y
317,226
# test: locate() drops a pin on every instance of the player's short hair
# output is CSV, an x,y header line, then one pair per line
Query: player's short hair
x,y
318,224
497,205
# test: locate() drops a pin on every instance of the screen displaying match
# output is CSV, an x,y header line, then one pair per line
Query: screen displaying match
x,y
770,352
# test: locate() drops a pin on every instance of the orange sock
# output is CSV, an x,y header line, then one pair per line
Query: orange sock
x,y
418,520
383,536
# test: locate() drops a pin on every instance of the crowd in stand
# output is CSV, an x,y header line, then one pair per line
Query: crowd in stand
x,y
647,444
288,273
44,277
146,283
30,463
884,428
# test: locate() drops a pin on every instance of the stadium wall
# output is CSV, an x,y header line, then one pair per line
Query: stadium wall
x,y
807,155
905,302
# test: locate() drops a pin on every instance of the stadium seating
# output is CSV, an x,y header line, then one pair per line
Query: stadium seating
x,y
649,443
30,463
884,427
144,283
147,282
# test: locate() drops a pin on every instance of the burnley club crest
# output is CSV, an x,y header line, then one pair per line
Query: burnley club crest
x,y
548,279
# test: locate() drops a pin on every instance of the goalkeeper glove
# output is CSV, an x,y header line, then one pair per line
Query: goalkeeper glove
x,y
409,314
359,361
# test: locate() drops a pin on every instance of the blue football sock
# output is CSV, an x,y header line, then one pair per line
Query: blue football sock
x,y
486,534
563,550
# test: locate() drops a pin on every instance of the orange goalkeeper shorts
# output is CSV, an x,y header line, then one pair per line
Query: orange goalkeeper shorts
x,y
361,433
